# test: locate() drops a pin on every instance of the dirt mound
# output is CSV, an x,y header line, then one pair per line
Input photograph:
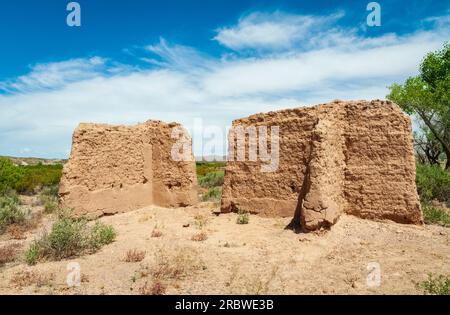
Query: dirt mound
x,y
115,169
354,157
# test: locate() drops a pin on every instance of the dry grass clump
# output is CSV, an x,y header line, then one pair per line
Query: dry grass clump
x,y
156,288
168,267
254,284
134,255
28,278
200,221
156,233
8,253
199,237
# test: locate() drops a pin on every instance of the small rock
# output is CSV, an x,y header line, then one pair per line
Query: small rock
x,y
186,225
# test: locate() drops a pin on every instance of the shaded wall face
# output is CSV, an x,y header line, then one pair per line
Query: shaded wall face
x,y
380,164
117,169
353,157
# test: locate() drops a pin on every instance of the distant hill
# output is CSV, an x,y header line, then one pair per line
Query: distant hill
x,y
34,161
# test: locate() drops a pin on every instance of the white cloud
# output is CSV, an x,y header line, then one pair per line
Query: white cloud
x,y
55,74
272,30
42,108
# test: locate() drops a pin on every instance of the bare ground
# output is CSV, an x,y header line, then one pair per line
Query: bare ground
x,y
192,251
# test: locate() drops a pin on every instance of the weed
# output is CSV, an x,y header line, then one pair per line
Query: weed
x,y
213,194
243,217
50,203
200,221
156,233
434,215
157,288
134,255
8,253
27,278
214,179
439,285
101,235
199,237
10,213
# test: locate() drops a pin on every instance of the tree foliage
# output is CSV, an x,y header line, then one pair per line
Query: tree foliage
x,y
427,97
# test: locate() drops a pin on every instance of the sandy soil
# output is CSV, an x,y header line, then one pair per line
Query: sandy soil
x,y
261,257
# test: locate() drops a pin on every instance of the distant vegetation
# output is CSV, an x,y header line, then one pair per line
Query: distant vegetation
x,y
210,176
27,179
204,168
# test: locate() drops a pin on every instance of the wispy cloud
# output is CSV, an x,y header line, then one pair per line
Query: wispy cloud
x,y
274,31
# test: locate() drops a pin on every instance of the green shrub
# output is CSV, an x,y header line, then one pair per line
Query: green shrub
x,y
213,179
433,182
51,191
39,176
49,202
436,286
10,175
213,194
10,213
32,254
101,235
69,238
434,215
26,179
243,217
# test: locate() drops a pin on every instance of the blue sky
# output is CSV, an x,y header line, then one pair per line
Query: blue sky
x,y
189,61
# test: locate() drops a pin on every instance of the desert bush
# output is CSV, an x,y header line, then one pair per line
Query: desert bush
x,y
10,213
214,179
435,215
10,175
439,285
68,238
51,190
101,235
243,217
213,194
134,255
433,182
26,179
49,202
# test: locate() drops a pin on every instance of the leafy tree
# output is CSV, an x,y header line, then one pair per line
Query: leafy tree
x,y
427,96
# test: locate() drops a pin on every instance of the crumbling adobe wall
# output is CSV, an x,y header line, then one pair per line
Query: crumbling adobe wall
x,y
115,169
354,157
